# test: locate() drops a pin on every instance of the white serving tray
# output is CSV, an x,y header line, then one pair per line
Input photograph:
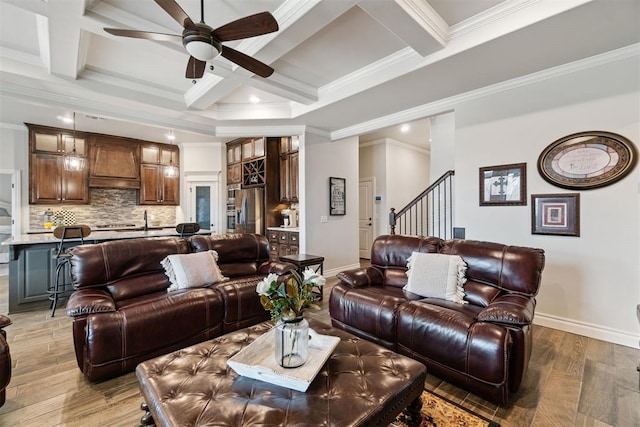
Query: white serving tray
x,y
258,361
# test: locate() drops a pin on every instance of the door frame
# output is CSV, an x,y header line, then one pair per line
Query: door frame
x,y
218,213
16,212
374,215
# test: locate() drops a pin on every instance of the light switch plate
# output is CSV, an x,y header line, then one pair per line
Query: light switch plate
x,y
324,218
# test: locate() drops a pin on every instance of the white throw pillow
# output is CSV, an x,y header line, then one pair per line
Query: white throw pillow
x,y
436,276
192,270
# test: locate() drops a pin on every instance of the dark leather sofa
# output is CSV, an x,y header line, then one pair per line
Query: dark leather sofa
x,y
5,359
123,314
483,346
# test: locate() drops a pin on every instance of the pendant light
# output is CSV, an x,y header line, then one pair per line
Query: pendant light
x,y
72,161
171,170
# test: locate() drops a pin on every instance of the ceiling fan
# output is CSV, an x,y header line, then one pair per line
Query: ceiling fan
x,y
205,43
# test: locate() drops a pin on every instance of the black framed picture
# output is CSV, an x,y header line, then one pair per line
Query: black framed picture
x,y
504,185
557,214
337,200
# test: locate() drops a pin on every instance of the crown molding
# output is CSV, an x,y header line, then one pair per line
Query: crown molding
x,y
448,104
281,110
392,141
489,16
13,126
427,18
244,131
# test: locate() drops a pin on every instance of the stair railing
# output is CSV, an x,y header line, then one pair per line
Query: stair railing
x,y
429,214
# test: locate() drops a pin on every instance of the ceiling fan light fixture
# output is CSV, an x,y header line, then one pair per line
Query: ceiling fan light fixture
x,y
204,51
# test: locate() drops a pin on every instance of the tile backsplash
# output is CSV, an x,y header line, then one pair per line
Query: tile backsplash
x,y
108,206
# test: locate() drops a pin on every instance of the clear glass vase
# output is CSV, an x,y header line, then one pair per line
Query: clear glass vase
x,y
292,342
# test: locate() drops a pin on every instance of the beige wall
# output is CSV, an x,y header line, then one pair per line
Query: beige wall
x,y
591,283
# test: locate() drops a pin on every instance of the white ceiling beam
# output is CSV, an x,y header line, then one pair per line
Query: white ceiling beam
x,y
298,20
64,37
412,21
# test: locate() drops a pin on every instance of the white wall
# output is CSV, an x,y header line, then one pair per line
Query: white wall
x,y
14,141
397,185
337,239
591,283
203,161
407,174
443,132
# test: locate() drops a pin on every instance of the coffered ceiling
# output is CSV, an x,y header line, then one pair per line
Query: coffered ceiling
x,y
339,64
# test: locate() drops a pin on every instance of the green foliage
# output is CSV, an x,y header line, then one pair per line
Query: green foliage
x,y
290,299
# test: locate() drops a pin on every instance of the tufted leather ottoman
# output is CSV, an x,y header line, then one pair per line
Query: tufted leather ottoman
x,y
361,384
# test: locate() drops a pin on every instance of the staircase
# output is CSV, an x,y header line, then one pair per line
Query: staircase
x,y
429,214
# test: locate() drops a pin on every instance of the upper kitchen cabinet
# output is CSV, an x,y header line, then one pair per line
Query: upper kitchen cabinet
x,y
289,169
252,149
157,185
113,162
49,182
234,162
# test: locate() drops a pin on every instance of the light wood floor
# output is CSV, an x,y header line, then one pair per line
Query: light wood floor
x,y
572,381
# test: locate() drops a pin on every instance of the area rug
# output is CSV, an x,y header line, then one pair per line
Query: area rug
x,y
438,411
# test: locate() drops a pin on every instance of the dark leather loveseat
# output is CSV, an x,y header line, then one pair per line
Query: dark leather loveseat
x,y
123,314
483,346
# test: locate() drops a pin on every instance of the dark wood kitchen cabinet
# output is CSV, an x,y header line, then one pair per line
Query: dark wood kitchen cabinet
x,y
289,169
49,182
156,187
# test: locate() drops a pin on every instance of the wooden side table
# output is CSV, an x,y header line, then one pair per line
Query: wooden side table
x,y
302,261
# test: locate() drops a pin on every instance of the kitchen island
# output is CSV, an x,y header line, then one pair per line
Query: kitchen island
x,y
32,268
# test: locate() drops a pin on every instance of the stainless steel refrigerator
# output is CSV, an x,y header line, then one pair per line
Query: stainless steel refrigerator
x,y
250,210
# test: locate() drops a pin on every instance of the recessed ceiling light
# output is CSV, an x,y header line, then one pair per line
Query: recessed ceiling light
x,y
405,128
65,119
254,99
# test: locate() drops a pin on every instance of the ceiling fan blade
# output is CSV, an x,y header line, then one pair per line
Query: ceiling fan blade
x,y
247,62
176,12
195,68
249,26
144,35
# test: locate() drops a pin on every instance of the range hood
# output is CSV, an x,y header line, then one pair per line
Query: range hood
x,y
114,164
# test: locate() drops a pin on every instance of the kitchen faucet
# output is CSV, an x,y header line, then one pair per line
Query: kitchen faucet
x,y
146,227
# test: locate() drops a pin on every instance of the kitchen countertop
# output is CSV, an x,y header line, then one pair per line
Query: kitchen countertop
x,y
281,228
30,239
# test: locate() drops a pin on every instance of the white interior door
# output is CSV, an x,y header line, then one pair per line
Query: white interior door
x,y
365,220
203,205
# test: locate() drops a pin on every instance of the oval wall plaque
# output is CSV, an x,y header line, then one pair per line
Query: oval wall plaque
x,y
586,160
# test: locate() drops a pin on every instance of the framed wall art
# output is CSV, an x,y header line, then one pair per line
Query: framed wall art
x,y
337,200
504,185
557,214
587,160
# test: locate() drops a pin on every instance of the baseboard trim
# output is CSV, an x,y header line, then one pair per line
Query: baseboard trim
x,y
587,329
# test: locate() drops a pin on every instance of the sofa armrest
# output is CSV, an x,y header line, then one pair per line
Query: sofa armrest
x,y
88,301
361,277
509,309
4,321
277,267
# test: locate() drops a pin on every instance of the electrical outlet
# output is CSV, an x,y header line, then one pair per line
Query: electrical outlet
x,y
324,218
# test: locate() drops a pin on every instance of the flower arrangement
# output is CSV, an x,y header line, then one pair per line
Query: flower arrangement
x,y
289,299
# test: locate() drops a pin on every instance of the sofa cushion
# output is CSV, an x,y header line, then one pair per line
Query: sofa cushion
x,y
436,276
510,268
238,254
371,310
390,254
192,270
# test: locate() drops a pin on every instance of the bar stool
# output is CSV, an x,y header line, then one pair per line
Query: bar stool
x,y
186,229
61,256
